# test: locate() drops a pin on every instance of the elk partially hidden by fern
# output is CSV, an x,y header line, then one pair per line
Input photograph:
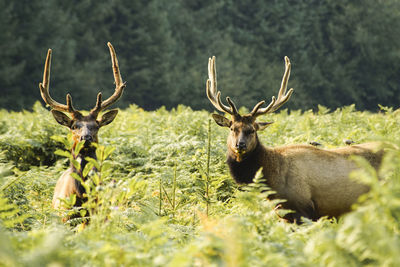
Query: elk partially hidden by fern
x,y
314,182
83,129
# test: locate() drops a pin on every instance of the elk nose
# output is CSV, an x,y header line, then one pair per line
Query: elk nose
x,y
241,145
87,138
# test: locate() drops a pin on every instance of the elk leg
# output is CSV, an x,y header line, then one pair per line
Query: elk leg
x,y
309,211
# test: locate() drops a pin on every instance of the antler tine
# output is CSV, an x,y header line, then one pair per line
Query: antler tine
x,y
96,110
114,60
44,89
283,97
70,107
232,105
213,94
119,85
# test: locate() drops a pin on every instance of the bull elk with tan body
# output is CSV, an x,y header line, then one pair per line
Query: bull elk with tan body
x,y
314,182
83,128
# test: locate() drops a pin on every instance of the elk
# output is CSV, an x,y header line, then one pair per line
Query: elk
x,y
83,128
314,182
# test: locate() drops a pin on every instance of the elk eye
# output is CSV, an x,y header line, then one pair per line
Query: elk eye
x,y
248,132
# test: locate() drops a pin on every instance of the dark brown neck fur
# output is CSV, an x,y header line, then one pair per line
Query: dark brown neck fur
x,y
85,152
243,172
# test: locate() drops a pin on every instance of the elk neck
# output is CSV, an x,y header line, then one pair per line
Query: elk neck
x,y
244,171
81,158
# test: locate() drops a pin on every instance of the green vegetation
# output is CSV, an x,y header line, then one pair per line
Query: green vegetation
x,y
342,51
158,181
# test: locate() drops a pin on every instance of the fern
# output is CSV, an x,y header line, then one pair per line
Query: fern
x,y
10,215
177,159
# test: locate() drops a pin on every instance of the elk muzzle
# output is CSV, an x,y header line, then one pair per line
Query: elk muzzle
x,y
241,145
86,135
85,130
88,138
241,148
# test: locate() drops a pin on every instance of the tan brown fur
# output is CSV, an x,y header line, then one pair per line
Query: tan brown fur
x,y
315,181
65,187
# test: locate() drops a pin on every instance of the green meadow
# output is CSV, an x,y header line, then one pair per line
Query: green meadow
x,y
163,195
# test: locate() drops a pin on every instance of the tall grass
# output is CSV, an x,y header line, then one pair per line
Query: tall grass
x,y
163,195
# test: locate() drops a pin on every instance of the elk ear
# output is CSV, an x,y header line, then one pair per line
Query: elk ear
x,y
61,118
108,117
221,120
262,125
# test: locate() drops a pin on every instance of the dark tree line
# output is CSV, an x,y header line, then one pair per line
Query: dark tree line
x,y
342,52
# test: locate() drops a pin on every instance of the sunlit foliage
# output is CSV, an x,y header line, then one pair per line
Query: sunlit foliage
x,y
156,202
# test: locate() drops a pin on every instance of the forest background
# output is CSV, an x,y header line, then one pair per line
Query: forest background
x,y
342,52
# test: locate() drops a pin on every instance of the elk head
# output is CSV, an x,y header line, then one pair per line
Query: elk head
x,y
83,128
243,128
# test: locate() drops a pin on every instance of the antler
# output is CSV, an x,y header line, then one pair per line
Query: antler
x,y
44,90
215,96
119,86
283,97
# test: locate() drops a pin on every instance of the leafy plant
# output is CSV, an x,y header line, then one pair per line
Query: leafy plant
x,y
177,159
